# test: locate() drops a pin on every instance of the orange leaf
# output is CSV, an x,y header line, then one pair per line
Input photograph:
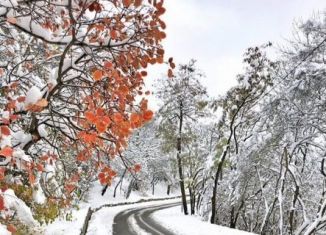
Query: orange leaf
x,y
134,117
113,34
6,152
112,173
13,117
42,103
97,75
161,10
5,130
143,73
81,157
90,117
126,3
106,120
31,178
11,228
44,158
148,115
70,187
2,173
138,3
124,89
100,112
2,203
12,20
137,167
101,175
108,65
21,99
101,126
143,104
170,73
117,117
39,167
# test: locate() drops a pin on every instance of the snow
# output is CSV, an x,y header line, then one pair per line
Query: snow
x,y
61,226
102,220
5,141
132,221
42,131
53,77
234,107
18,207
3,11
5,114
21,138
174,220
21,159
9,3
3,230
38,194
245,82
33,95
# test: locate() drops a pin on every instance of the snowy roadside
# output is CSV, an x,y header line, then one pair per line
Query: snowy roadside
x,y
102,220
174,220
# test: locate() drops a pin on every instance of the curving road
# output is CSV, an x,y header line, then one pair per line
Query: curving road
x,y
139,222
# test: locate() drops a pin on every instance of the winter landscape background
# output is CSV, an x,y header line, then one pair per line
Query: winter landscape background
x,y
162,117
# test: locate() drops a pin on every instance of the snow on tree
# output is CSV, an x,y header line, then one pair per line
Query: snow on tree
x,y
152,166
70,71
272,177
184,101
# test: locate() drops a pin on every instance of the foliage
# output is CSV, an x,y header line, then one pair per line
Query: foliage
x,y
48,212
70,73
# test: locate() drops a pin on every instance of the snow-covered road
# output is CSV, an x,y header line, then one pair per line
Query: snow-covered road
x,y
139,221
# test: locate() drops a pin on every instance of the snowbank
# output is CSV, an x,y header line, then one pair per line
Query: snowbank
x,y
174,220
18,207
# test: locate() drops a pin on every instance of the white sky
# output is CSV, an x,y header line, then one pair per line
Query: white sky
x,y
217,32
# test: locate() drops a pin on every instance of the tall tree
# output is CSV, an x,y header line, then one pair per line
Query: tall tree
x,y
184,100
238,103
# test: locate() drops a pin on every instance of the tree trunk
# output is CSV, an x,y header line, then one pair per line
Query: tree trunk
x,y
169,189
190,195
120,181
153,188
198,202
192,201
232,220
86,222
182,186
130,187
213,216
217,175
179,160
221,161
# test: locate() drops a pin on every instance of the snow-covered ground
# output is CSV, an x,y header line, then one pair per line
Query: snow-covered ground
x,y
101,222
175,221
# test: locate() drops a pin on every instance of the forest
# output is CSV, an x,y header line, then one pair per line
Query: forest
x,y
74,113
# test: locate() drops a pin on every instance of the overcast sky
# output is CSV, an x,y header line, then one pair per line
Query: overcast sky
x,y
217,32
